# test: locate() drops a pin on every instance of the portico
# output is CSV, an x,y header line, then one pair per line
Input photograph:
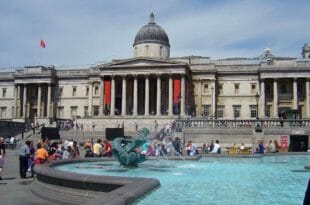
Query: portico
x,y
142,92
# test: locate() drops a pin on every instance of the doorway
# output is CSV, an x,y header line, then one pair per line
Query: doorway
x,y
299,143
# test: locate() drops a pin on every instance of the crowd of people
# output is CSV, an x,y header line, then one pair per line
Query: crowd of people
x,y
46,151
272,147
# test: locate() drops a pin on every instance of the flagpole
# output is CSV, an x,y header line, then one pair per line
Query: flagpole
x,y
40,55
42,45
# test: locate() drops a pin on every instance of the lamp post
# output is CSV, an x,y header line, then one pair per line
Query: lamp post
x,y
179,105
25,119
257,100
212,105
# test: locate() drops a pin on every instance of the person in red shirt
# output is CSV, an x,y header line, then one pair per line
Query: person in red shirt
x,y
107,148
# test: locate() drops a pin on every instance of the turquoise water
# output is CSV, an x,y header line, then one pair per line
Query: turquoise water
x,y
260,181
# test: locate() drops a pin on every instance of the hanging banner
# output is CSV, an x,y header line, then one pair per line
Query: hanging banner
x,y
176,91
283,141
107,92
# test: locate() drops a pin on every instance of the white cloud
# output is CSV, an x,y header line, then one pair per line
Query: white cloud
x,y
83,32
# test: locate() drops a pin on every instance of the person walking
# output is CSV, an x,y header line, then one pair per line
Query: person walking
x,y
24,154
2,154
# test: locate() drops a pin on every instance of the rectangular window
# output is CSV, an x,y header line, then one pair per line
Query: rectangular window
x,y
253,111
205,88
236,88
237,109
220,90
73,111
73,91
220,111
206,110
253,88
96,110
60,112
85,111
96,90
268,108
61,91
3,92
2,112
87,91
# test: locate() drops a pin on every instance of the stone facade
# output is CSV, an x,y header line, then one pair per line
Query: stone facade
x,y
152,86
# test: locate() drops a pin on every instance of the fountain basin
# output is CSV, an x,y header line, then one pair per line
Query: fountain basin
x,y
74,188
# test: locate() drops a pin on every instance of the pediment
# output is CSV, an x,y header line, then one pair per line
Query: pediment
x,y
135,62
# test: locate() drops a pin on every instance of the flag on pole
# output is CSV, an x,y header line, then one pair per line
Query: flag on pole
x,y
42,44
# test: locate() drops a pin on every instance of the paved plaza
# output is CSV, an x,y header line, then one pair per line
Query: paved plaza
x,y
13,189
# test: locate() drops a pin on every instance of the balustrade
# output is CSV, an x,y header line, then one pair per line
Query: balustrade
x,y
243,124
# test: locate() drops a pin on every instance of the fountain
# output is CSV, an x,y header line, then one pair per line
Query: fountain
x,y
215,180
127,151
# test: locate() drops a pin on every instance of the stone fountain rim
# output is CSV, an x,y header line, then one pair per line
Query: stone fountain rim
x,y
98,189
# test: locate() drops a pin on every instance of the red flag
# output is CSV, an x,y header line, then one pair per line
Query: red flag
x,y
42,44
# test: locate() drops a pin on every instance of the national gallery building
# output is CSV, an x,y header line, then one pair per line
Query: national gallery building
x,y
153,86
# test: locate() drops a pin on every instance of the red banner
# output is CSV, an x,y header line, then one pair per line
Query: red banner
x,y
283,141
176,91
107,92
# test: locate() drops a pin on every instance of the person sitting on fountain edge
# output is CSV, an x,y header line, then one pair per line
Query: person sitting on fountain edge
x,y
217,148
191,148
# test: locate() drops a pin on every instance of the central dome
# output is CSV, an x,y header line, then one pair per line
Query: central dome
x,y
152,33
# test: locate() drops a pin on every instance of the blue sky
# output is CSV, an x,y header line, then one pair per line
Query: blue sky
x,y
79,32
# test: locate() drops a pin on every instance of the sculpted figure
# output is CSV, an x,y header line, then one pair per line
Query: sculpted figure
x,y
127,151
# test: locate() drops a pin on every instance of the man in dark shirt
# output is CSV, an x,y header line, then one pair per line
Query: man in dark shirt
x,y
2,154
177,145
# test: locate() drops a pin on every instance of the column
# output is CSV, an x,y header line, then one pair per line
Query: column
x,y
49,100
15,101
308,98
124,94
112,110
295,103
101,89
183,95
24,100
170,100
262,99
135,95
275,98
213,97
147,95
158,96
18,111
90,99
39,101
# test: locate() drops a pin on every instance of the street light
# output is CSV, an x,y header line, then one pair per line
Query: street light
x,y
179,105
257,100
212,105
